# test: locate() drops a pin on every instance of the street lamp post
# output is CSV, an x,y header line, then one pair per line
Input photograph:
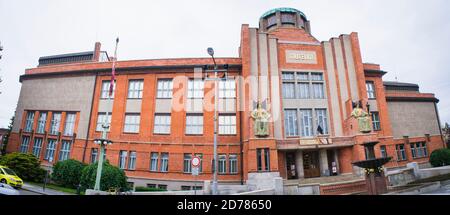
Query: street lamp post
x,y
216,94
214,183
104,141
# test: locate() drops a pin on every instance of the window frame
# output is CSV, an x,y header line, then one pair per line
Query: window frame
x,y
135,89
164,93
132,126
160,128
55,123
370,88
194,126
69,124
40,129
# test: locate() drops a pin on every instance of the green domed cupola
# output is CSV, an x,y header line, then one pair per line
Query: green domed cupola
x,y
283,17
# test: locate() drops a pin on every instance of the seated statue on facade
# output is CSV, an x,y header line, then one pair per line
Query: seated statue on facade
x,y
363,119
261,117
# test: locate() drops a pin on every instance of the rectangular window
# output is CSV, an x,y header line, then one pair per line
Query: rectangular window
x,y
303,90
306,118
122,159
322,120
135,89
227,124
50,152
151,185
132,161
70,124
185,187
25,144
419,150
288,76
376,121
233,163
187,163
267,159
424,149
154,161
162,124
401,155
222,163
413,150
164,90
259,159
37,147
164,162
65,150
288,90
317,91
370,90
29,121
101,119
383,151
105,90
303,76
316,76
288,18
41,122
132,122
162,186
227,88
94,155
195,88
290,123
272,20
194,124
55,123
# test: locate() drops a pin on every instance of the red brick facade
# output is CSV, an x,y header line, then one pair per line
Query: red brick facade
x,y
338,60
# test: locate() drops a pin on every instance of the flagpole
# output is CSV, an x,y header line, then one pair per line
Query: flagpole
x,y
104,141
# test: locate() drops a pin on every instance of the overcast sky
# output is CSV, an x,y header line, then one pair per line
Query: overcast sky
x,y
410,39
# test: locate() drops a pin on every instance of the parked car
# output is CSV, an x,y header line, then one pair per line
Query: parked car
x,y
7,190
8,176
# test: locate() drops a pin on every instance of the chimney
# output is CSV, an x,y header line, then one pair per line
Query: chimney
x,y
96,57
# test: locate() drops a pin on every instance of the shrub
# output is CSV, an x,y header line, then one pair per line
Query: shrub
x,y
26,166
112,177
148,189
68,173
440,157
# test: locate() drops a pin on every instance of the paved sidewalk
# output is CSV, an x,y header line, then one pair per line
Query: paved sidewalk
x,y
38,189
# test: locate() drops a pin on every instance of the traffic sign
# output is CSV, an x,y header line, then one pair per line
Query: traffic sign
x,y
195,161
195,171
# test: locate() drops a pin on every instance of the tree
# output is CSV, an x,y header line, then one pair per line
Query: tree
x,y
26,166
68,173
112,177
440,157
446,134
6,137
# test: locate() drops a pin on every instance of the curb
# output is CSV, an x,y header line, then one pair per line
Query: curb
x,y
34,191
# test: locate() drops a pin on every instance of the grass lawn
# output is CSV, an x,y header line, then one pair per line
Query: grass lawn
x,y
56,187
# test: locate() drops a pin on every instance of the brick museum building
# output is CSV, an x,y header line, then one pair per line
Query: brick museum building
x,y
288,105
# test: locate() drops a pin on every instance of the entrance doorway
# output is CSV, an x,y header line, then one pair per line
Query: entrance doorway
x,y
311,165
290,166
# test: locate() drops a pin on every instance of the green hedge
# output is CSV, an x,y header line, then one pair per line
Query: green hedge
x,y
26,166
440,157
148,189
112,177
68,173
